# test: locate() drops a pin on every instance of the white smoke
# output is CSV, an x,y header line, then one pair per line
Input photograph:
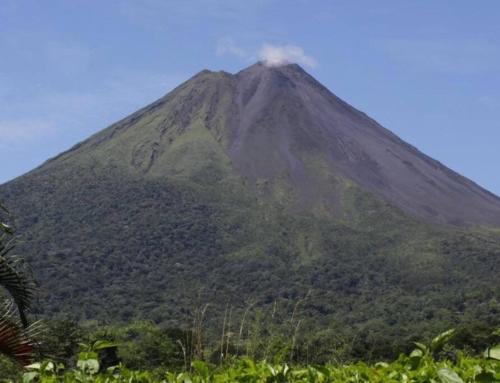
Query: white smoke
x,y
274,55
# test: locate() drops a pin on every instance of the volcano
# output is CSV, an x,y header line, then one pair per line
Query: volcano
x,y
275,126
259,185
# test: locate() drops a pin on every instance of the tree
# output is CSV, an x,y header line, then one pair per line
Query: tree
x,y
15,332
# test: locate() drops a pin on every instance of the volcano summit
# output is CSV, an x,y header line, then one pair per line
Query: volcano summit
x,y
278,127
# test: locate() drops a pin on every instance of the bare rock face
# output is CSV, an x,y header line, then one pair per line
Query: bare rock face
x,y
282,114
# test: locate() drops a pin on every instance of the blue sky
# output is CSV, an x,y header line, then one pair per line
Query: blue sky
x,y
427,70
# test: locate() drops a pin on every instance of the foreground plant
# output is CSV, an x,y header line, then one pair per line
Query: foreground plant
x,y
246,370
16,336
420,366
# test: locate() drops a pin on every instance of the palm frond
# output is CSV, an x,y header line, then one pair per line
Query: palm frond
x,y
16,337
15,280
16,341
4,227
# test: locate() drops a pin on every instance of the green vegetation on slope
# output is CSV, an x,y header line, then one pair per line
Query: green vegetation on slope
x,y
120,249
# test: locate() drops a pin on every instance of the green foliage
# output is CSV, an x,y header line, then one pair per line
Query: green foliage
x,y
474,338
149,347
404,369
60,340
9,369
424,364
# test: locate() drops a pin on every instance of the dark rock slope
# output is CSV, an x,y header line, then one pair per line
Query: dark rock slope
x,y
282,115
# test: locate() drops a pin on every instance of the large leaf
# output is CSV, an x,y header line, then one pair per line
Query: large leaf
x,y
447,375
89,366
441,339
103,345
493,352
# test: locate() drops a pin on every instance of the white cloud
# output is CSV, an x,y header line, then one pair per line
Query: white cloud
x,y
226,45
275,55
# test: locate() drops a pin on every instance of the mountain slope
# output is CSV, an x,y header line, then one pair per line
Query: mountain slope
x,y
271,125
293,114
258,186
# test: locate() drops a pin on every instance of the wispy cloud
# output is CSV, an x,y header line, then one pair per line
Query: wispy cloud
x,y
445,56
226,45
275,55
